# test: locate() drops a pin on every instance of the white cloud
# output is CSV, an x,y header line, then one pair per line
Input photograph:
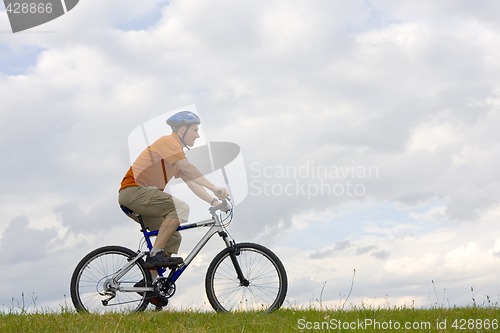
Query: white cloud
x,y
446,259
408,88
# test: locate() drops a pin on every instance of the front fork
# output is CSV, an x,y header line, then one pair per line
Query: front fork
x,y
234,251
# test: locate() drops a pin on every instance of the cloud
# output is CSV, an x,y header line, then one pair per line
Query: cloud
x,y
99,219
22,245
26,250
347,248
338,247
405,266
408,89
382,254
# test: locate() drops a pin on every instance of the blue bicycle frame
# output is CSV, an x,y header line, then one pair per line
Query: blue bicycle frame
x,y
214,223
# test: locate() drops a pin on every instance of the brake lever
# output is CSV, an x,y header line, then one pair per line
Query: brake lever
x,y
224,206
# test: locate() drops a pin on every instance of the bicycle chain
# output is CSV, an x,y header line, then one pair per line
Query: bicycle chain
x,y
163,288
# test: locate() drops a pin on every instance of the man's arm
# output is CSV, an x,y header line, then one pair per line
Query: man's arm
x,y
200,192
191,174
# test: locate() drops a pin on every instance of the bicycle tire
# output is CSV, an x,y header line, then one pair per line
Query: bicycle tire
x,y
93,270
260,266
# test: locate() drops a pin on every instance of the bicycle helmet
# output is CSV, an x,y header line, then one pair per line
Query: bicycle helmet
x,y
182,118
179,119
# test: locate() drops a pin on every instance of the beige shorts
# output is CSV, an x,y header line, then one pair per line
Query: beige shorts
x,y
154,206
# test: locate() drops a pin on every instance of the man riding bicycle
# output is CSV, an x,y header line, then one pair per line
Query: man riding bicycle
x,y
142,188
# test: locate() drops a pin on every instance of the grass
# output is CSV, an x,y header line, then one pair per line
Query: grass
x,y
469,319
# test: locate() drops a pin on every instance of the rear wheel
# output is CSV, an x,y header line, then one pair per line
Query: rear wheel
x,y
92,289
264,286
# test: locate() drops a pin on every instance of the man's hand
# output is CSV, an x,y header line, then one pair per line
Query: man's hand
x,y
220,193
226,207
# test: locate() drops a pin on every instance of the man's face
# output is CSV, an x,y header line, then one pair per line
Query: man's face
x,y
191,135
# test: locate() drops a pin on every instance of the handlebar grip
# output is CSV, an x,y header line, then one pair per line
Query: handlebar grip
x,y
224,206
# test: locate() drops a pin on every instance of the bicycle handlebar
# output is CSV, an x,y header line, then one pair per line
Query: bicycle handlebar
x,y
224,206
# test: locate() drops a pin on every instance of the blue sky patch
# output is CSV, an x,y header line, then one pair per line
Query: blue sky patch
x,y
18,59
144,22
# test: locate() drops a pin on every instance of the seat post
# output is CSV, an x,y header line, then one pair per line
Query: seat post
x,y
141,222
144,230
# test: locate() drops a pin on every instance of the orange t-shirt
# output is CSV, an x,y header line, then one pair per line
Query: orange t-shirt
x,y
155,165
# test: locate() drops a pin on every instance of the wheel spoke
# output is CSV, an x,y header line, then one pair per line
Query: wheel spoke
x,y
90,276
264,272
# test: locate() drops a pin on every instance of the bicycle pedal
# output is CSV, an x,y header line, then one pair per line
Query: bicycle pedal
x,y
158,302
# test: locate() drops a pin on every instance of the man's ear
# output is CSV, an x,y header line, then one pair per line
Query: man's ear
x,y
181,130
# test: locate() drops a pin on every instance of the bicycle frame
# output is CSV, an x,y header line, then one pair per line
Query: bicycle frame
x,y
215,225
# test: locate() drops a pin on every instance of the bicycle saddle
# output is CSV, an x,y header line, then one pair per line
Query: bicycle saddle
x,y
127,211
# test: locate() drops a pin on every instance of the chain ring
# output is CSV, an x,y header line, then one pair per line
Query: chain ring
x,y
163,288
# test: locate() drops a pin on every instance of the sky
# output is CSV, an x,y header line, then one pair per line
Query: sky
x,y
368,132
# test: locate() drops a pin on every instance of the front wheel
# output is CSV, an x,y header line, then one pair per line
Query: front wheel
x,y
264,285
93,289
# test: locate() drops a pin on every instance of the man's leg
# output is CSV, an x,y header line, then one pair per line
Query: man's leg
x,y
168,237
167,229
152,203
158,257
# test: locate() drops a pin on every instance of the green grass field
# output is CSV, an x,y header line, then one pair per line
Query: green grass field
x,y
473,319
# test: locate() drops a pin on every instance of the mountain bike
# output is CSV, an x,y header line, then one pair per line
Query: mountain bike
x,y
242,277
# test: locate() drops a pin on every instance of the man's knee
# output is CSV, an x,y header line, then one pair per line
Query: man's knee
x,y
182,210
172,221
